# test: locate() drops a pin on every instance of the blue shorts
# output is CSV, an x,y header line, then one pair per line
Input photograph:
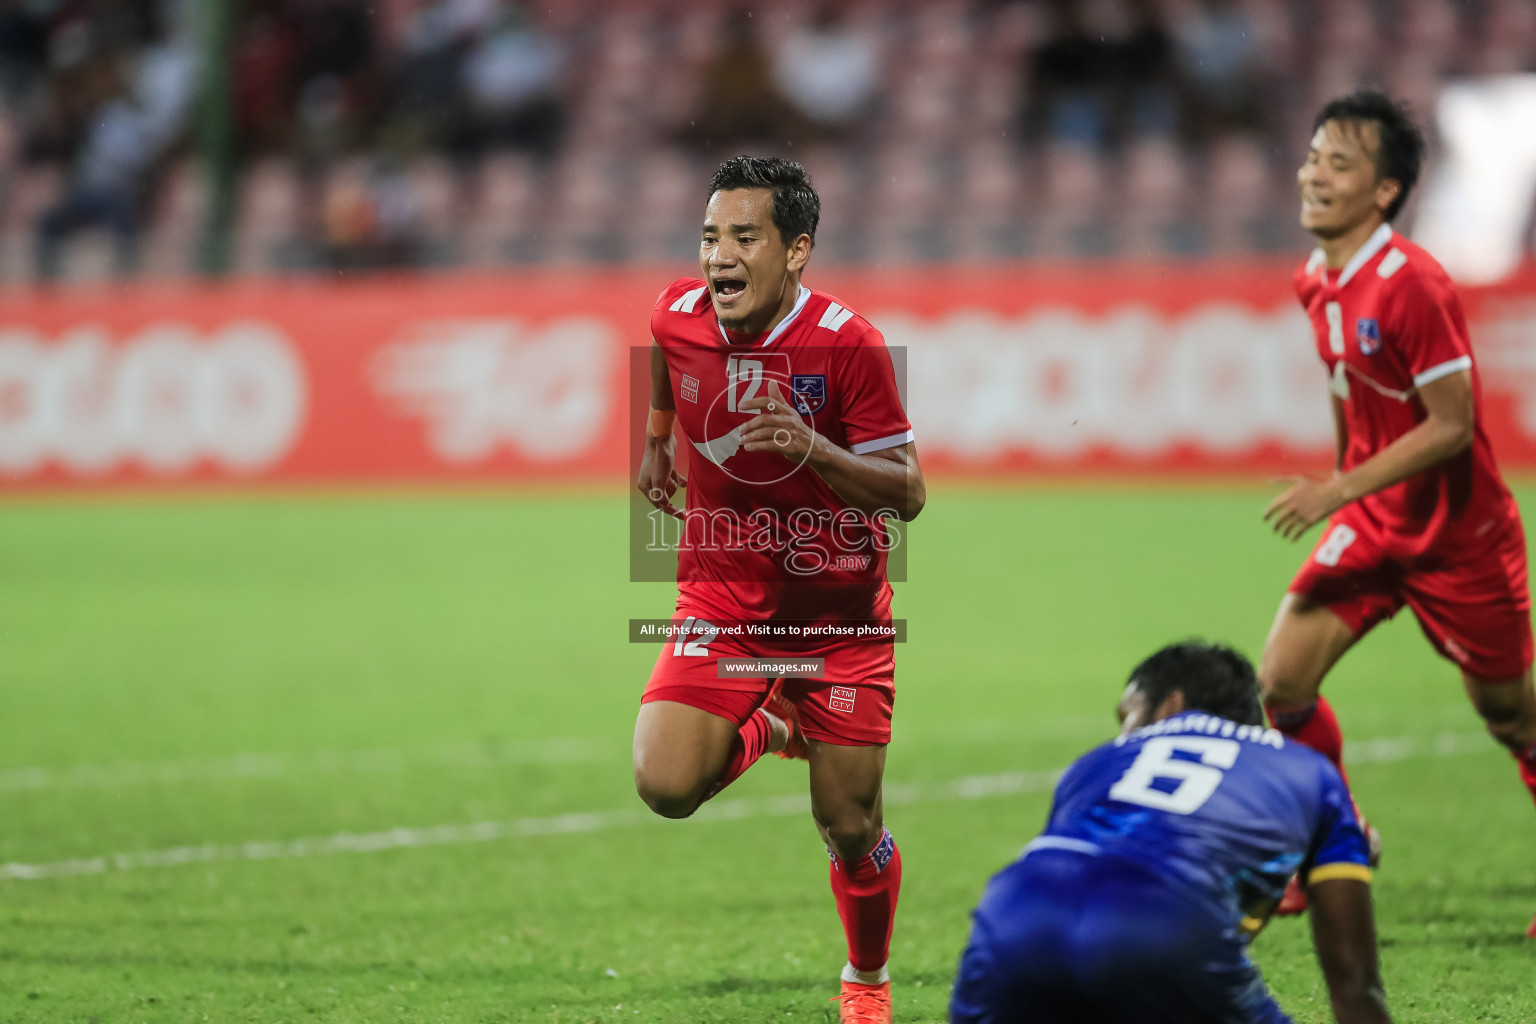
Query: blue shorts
x,y
1063,937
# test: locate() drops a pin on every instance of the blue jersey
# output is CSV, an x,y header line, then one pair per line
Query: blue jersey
x,y
1223,813
1163,851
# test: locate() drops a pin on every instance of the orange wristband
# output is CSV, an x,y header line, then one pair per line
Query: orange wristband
x,y
660,423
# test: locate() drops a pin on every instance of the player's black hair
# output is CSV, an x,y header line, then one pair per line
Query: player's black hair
x,y
1213,678
796,206
1400,154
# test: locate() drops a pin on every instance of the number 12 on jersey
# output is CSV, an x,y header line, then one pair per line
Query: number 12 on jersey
x,y
1197,780
742,369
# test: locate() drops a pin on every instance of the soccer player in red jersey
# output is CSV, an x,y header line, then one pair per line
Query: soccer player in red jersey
x,y
801,450
1417,512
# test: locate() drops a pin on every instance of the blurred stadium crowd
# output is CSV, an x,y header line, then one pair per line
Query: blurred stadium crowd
x,y
431,133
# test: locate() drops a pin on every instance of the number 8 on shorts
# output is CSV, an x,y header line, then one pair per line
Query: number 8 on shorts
x,y
1332,549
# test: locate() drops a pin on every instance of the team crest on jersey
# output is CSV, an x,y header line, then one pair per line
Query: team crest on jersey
x,y
810,391
1368,334
691,388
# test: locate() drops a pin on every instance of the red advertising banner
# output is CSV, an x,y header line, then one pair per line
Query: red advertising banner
x,y
526,377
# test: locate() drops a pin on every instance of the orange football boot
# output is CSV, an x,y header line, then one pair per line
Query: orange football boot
x,y
864,1004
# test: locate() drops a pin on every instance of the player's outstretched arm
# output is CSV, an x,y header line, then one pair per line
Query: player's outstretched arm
x,y
659,479
1446,430
1344,934
885,481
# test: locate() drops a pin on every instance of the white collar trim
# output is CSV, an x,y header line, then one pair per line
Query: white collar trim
x,y
801,298
1373,245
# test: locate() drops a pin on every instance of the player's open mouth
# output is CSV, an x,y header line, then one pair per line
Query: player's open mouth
x,y
727,289
1315,203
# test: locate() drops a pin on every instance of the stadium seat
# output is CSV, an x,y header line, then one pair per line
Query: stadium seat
x,y
177,222
1242,197
942,34
1349,29
1508,38
588,201
12,139
838,180
992,190
669,199
1431,28
1155,187
1071,221
1415,77
500,225
926,106
991,92
271,211
908,206
28,193
437,197
954,76
88,257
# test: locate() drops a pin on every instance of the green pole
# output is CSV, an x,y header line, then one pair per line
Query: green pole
x,y
216,135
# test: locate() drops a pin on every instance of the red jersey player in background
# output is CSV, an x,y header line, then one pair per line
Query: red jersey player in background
x,y
801,450
1417,512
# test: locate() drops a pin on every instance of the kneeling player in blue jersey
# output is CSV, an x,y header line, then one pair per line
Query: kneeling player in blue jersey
x,y
1165,852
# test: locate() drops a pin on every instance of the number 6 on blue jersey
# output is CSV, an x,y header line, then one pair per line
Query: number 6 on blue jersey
x,y
1197,780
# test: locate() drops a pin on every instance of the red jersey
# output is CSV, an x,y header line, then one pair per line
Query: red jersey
x,y
763,537
1386,325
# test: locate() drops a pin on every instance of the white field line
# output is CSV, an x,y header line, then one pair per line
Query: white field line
x,y
974,787
270,766
463,755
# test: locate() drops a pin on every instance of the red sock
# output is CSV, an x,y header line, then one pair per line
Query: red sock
x,y
1527,763
866,892
748,746
1313,725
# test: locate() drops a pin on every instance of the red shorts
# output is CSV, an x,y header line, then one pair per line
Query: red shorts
x,y
850,706
1473,605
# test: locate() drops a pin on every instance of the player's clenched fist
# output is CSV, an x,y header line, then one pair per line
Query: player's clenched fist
x,y
777,427
659,479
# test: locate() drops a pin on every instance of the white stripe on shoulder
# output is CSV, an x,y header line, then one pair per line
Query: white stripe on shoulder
x,y
835,317
685,302
1445,369
1373,245
1391,263
880,444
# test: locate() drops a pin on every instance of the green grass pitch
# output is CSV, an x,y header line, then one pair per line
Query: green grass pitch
x,y
242,671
